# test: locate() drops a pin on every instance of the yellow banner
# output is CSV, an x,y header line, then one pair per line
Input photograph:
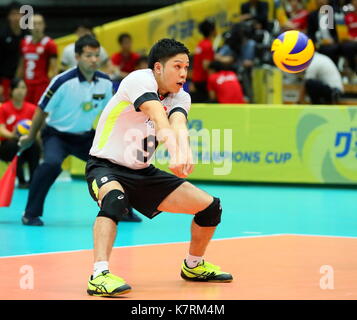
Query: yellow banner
x,y
269,143
177,21
260,143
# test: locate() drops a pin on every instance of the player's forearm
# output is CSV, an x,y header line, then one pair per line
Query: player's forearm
x,y
20,70
53,68
164,133
37,122
6,133
178,124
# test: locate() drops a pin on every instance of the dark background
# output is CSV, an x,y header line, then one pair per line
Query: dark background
x,y
62,16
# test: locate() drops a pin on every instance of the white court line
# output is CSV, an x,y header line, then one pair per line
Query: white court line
x,y
139,245
321,235
178,242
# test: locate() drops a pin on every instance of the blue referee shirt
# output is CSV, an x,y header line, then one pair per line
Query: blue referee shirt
x,y
73,103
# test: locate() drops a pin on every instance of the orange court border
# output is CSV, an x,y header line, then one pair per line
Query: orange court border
x,y
276,267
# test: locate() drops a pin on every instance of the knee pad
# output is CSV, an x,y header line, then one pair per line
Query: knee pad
x,y
114,205
211,216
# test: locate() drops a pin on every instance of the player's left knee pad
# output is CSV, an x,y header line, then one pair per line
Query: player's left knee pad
x,y
114,205
211,216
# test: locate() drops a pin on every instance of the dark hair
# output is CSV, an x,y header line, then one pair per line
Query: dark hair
x,y
122,36
15,83
165,49
142,59
84,41
206,27
217,66
84,23
13,6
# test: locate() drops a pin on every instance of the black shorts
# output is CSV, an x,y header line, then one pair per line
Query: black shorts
x,y
146,188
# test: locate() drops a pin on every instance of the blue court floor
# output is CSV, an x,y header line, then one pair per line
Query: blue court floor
x,y
248,211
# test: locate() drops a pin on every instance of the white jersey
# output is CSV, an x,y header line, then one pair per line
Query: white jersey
x,y
324,69
125,135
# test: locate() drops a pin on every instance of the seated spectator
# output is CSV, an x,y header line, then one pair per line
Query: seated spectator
x,y
349,47
322,81
223,85
256,12
125,60
297,16
11,112
325,39
69,60
203,55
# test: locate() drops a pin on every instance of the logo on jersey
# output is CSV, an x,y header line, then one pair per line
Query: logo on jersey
x,y
40,50
150,124
104,179
10,119
87,106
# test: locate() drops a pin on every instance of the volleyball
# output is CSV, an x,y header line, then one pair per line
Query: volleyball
x,y
23,127
292,51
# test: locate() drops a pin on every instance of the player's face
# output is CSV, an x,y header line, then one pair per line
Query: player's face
x,y
38,25
126,44
19,93
174,73
89,59
14,17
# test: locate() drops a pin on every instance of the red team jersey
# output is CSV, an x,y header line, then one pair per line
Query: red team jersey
x,y
300,20
10,116
204,51
125,64
351,22
36,59
226,86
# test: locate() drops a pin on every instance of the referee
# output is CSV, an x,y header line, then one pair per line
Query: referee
x,y
69,106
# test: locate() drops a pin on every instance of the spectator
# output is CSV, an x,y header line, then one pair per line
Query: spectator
x,y
325,39
349,48
10,38
11,112
202,57
297,16
256,13
238,52
69,60
223,84
322,81
38,63
125,60
142,63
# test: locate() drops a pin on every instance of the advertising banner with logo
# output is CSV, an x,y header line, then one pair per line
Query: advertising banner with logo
x,y
293,144
267,143
177,21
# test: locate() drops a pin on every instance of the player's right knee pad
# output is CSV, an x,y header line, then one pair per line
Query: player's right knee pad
x,y
211,216
114,205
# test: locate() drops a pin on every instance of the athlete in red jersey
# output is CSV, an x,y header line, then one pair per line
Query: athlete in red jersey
x,y
223,85
349,47
203,55
351,21
125,60
39,60
11,112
